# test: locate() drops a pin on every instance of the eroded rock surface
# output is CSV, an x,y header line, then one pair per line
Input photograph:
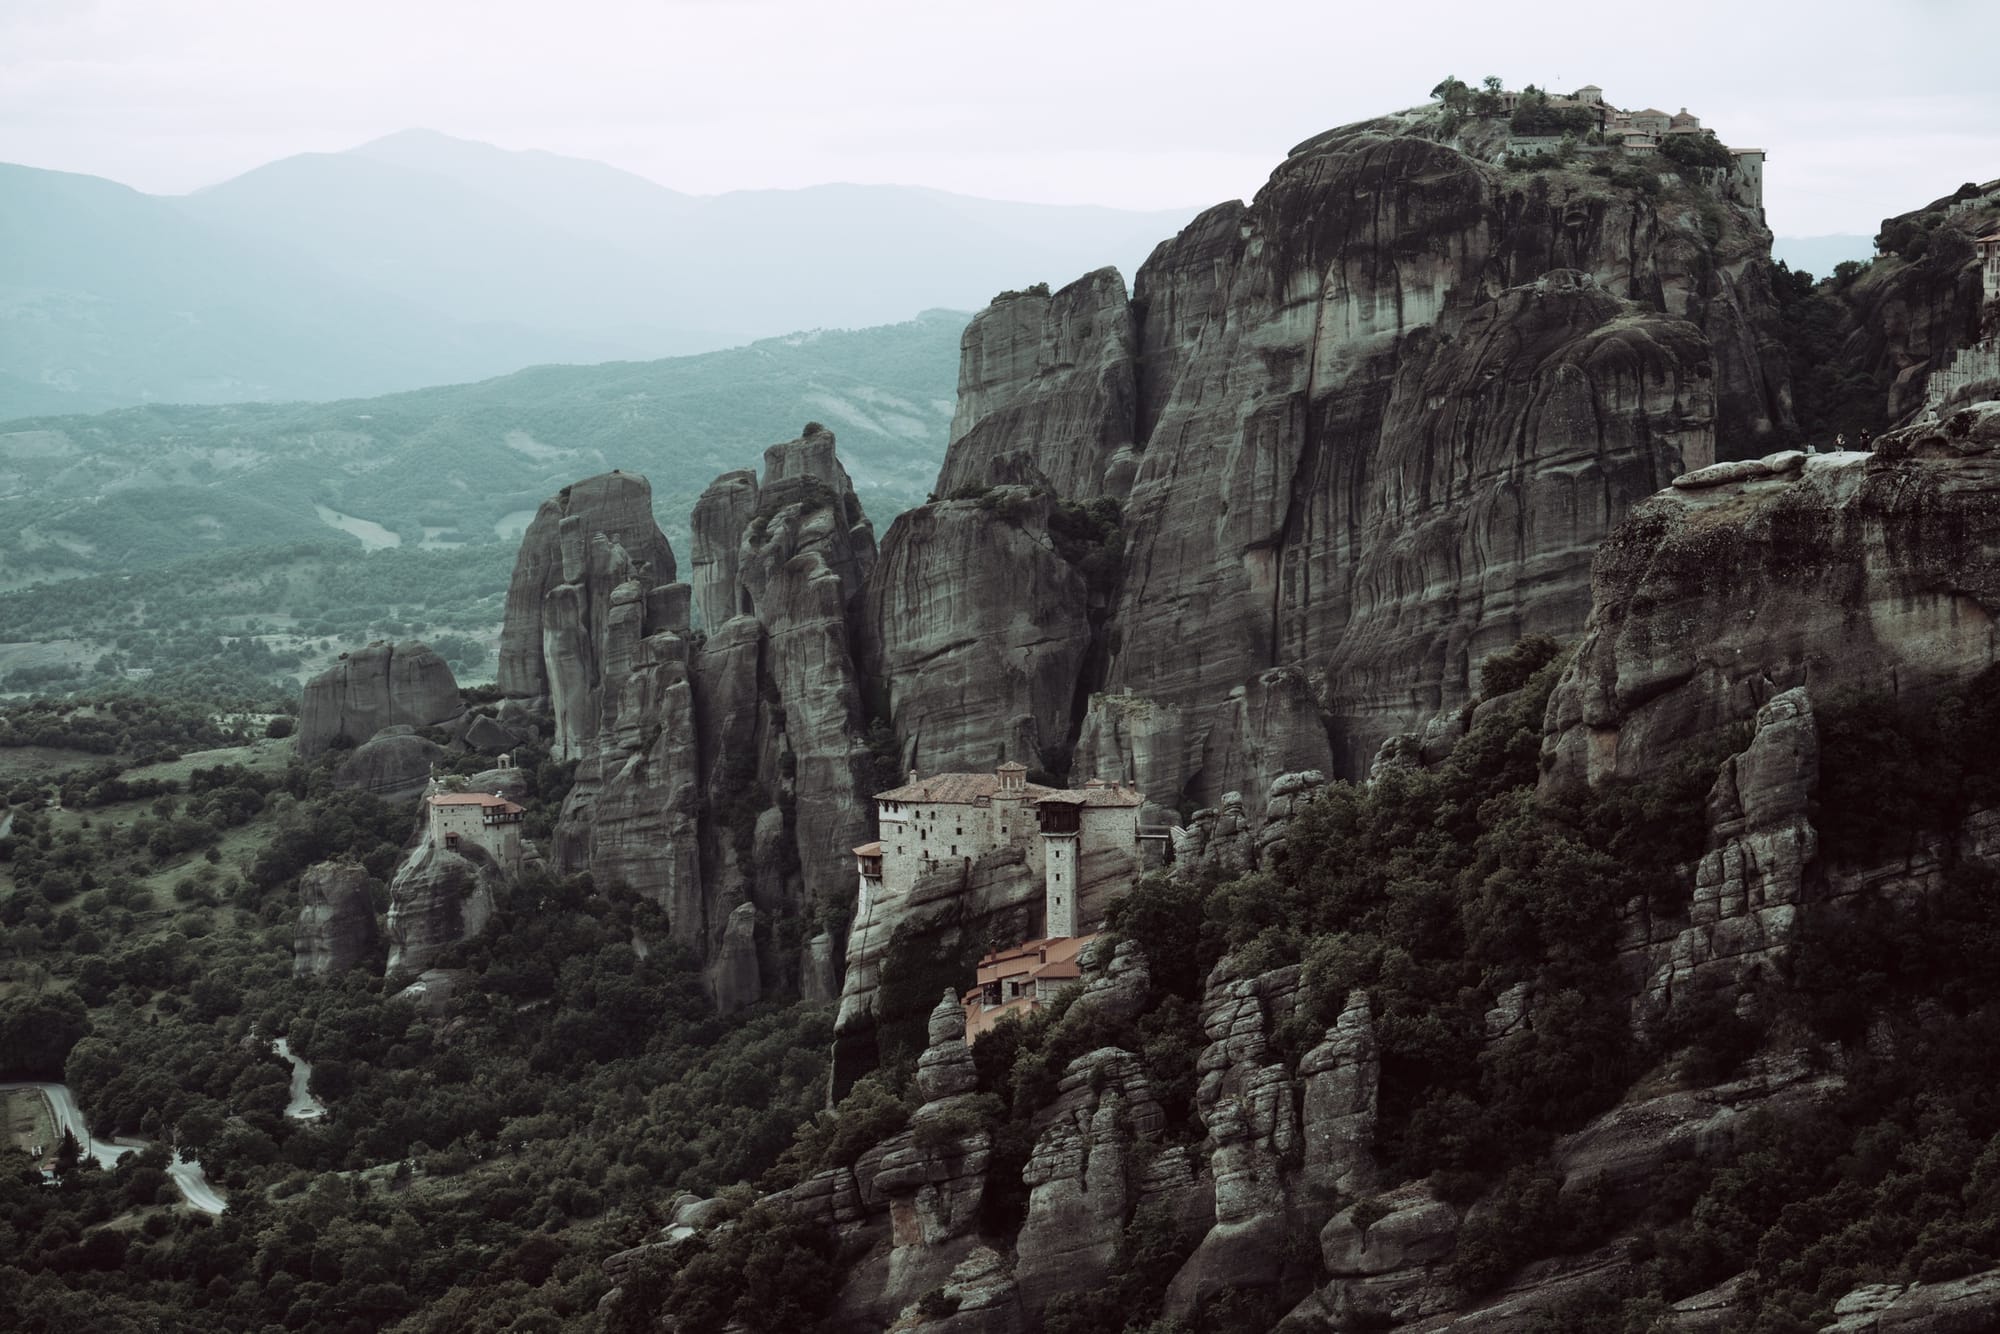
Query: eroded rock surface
x,y
1048,392
336,926
383,685
1856,571
979,631
439,897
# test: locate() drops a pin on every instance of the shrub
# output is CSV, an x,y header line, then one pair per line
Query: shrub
x,y
1504,673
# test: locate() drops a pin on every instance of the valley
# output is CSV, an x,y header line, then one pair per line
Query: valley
x,y
1380,771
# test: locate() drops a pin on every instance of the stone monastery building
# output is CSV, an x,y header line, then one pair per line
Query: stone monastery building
x,y
1085,840
1085,843
487,821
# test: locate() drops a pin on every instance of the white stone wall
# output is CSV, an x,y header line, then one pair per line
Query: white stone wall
x,y
916,833
1061,883
501,841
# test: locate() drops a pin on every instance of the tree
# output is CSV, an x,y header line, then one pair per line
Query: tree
x,y
68,1153
1452,93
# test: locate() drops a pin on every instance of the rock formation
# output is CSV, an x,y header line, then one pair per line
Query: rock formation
x,y
439,897
336,926
1846,571
716,773
1366,430
979,631
394,765
554,554
381,686
1048,392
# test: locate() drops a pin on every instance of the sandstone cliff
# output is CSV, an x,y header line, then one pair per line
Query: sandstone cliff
x,y
1048,392
1366,430
1284,1132
1916,307
716,772
336,925
980,632
1848,570
381,686
439,897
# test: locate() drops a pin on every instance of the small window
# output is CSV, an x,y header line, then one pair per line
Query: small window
x,y
954,849
961,831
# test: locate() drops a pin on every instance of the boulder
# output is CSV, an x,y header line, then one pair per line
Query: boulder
x,y
383,685
395,767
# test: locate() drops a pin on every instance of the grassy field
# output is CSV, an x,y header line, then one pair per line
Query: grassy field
x,y
28,1123
34,762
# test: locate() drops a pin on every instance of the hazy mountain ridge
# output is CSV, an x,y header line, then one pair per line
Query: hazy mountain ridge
x,y
142,486
421,259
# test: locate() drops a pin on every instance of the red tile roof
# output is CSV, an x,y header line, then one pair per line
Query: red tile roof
x,y
487,801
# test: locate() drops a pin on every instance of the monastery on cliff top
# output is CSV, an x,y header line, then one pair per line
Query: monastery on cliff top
x,y
1087,841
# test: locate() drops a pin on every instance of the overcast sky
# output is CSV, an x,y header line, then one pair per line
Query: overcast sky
x,y
1865,109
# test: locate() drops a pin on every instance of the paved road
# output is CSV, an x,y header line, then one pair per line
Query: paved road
x,y
186,1175
303,1106
194,1186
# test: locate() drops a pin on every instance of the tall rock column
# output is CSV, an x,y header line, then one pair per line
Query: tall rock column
x,y
1048,392
597,632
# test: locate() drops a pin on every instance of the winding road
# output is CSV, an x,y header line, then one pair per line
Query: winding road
x,y
186,1173
303,1106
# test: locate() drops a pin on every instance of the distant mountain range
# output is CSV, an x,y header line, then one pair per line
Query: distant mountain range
x,y
466,464
420,259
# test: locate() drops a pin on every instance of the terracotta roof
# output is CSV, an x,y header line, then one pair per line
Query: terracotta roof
x,y
482,799
869,850
1024,948
1060,970
958,789
1012,767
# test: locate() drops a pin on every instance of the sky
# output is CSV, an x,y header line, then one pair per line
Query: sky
x,y
1865,109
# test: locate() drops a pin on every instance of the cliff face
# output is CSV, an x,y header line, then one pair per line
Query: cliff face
x,y
438,898
336,925
1830,571
715,775
1388,410
1913,313
381,686
1282,1141
1048,391
1366,429
539,657
979,631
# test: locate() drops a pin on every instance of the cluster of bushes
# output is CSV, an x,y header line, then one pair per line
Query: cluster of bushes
x,y
1534,114
137,728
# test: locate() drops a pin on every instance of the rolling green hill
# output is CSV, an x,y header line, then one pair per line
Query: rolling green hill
x,y
464,465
